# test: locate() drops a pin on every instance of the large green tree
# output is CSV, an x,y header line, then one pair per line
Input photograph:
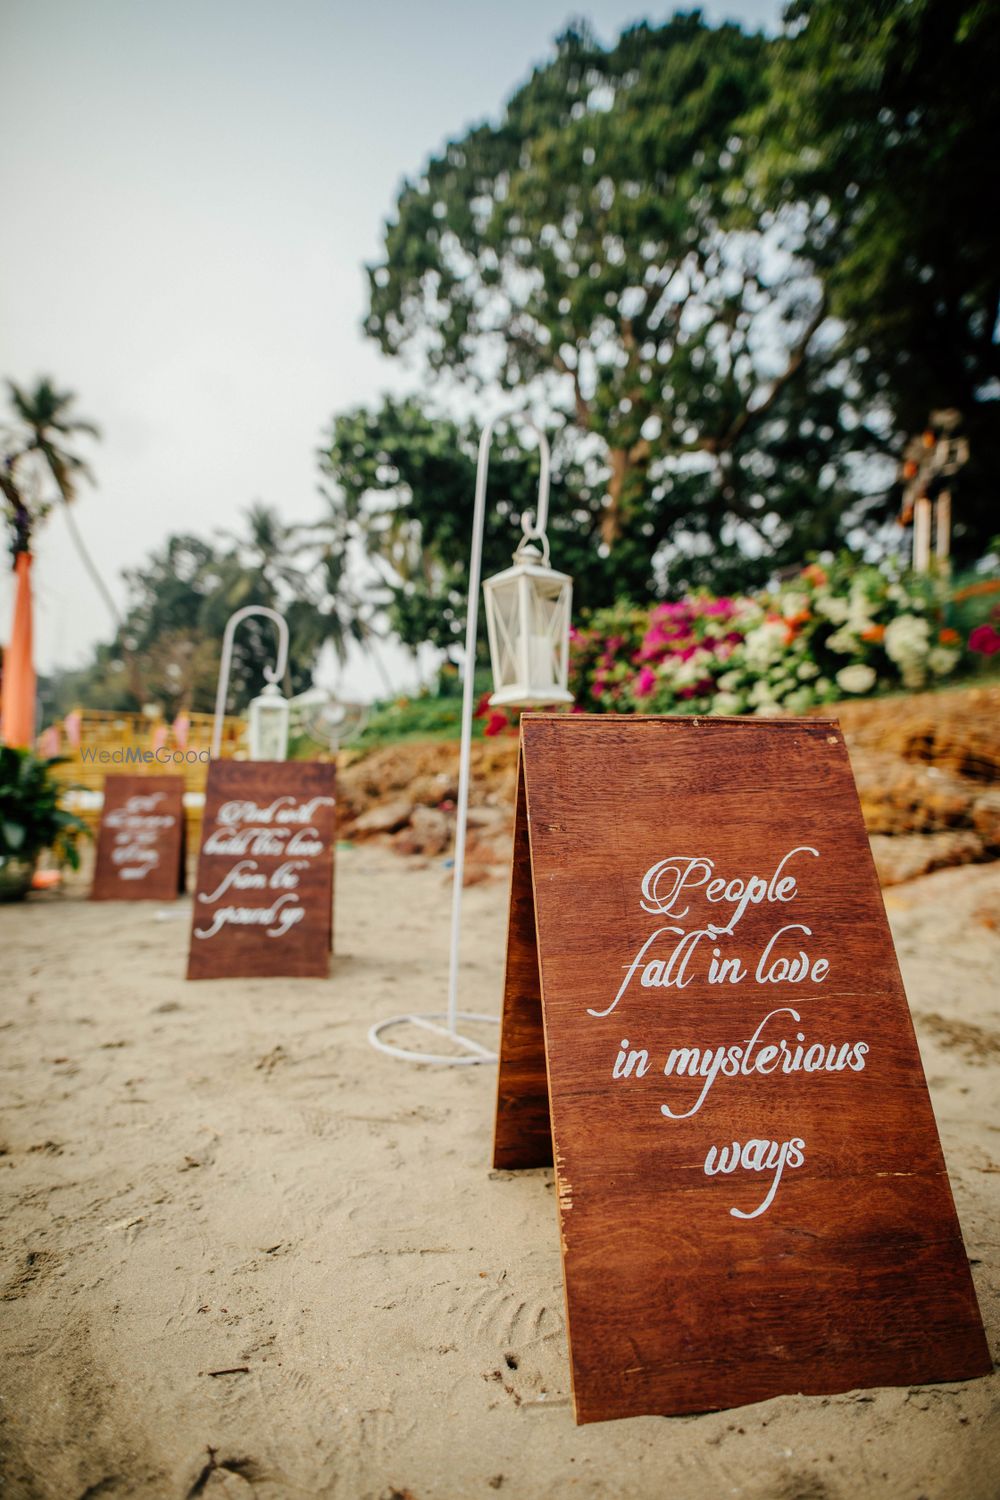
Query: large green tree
x,y
886,115
595,245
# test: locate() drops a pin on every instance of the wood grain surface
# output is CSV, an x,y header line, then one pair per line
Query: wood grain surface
x,y
752,1195
523,1133
141,840
263,898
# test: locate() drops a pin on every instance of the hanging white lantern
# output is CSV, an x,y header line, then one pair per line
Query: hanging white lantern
x,y
528,621
269,725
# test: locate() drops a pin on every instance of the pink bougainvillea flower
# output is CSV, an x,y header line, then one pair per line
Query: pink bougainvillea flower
x,y
985,640
644,683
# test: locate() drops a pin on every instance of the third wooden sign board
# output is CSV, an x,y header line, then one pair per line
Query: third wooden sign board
x,y
704,1027
263,899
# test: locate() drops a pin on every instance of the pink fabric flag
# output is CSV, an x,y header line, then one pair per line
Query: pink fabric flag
x,y
48,742
71,728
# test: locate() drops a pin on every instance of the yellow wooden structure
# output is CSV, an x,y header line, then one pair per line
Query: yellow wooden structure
x,y
97,744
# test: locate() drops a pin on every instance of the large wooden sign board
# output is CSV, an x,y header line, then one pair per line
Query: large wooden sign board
x,y
140,842
705,1028
263,899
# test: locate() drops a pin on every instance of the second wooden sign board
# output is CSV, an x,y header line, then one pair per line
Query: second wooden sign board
x,y
263,898
704,1027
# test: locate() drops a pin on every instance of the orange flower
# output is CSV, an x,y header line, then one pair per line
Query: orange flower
x,y
815,574
949,637
873,633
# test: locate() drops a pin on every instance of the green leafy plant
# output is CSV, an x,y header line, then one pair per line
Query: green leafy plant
x,y
31,818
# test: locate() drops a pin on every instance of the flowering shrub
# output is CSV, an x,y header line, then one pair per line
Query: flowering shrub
x,y
827,634
984,640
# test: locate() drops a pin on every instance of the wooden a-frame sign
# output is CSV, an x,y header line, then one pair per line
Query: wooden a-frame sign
x,y
141,844
705,1029
263,899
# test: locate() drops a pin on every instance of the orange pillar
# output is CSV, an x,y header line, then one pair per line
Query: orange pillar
x,y
17,707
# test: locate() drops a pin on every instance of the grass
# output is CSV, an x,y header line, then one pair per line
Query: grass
x,y
408,719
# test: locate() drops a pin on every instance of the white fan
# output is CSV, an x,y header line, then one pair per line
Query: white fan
x,y
326,719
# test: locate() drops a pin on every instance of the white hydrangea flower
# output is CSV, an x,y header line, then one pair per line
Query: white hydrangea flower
x,y
794,604
687,673
833,609
808,670
859,612
730,680
906,639
764,644
769,711
761,693
941,660
857,678
727,703
844,642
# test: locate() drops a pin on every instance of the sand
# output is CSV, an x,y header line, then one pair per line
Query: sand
x,y
224,1176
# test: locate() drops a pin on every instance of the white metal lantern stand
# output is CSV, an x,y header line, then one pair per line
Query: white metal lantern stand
x,y
527,617
269,712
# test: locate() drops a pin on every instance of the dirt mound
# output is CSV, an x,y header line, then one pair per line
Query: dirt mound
x,y
927,768
406,795
957,731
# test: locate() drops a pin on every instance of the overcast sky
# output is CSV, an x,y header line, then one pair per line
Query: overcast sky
x,y
190,190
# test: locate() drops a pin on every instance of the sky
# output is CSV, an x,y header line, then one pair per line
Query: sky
x,y
191,189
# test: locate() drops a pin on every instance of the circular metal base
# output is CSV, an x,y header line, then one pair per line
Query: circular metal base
x,y
472,1052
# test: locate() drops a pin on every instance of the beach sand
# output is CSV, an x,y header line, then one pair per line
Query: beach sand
x,y
225,1176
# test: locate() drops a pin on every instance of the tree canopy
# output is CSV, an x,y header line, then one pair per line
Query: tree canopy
x,y
739,269
886,115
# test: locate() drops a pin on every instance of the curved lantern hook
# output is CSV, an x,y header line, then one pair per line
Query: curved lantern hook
x,y
272,674
533,526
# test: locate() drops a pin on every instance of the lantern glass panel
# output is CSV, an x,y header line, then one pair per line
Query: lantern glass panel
x,y
269,725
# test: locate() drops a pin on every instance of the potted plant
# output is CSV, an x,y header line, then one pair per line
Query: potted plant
x,y
32,820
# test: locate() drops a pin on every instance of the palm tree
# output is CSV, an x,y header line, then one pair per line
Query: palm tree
x,y
44,420
302,570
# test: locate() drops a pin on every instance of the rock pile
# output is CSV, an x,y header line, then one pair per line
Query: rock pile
x,y
406,795
928,772
927,768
